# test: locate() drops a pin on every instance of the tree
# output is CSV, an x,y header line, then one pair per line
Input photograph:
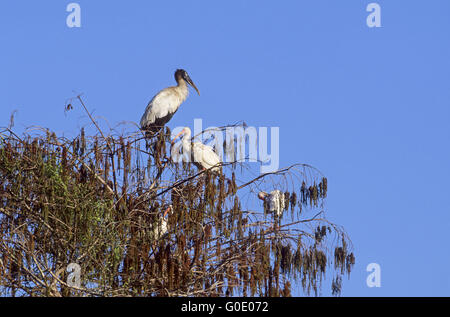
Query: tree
x,y
97,201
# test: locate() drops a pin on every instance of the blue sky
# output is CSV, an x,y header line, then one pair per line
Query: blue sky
x,y
369,107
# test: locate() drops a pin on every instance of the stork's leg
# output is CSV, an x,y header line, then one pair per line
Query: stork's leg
x,y
275,226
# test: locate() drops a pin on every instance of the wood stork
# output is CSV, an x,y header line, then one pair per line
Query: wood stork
x,y
160,228
165,103
203,155
274,201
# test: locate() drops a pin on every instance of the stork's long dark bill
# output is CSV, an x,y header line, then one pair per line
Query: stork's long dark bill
x,y
190,82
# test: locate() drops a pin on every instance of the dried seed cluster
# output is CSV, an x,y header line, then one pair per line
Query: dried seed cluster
x,y
98,201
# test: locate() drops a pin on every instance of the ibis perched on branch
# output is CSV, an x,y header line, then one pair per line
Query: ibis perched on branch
x,y
165,103
203,155
160,227
274,201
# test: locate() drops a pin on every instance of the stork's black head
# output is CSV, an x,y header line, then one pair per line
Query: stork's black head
x,y
182,74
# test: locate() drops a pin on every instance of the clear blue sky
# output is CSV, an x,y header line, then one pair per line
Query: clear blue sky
x,y
369,107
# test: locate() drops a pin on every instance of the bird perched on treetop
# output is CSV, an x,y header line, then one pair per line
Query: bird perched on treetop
x,y
160,228
165,103
203,155
274,201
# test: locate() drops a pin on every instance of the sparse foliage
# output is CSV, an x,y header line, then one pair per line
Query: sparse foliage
x,y
95,201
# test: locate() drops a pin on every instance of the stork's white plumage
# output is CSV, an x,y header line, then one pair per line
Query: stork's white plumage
x,y
274,200
160,228
204,155
166,102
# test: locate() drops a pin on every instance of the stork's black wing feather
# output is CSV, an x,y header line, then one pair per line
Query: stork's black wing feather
x,y
156,126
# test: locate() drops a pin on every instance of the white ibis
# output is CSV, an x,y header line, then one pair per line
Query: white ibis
x,y
274,200
166,102
204,155
160,227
